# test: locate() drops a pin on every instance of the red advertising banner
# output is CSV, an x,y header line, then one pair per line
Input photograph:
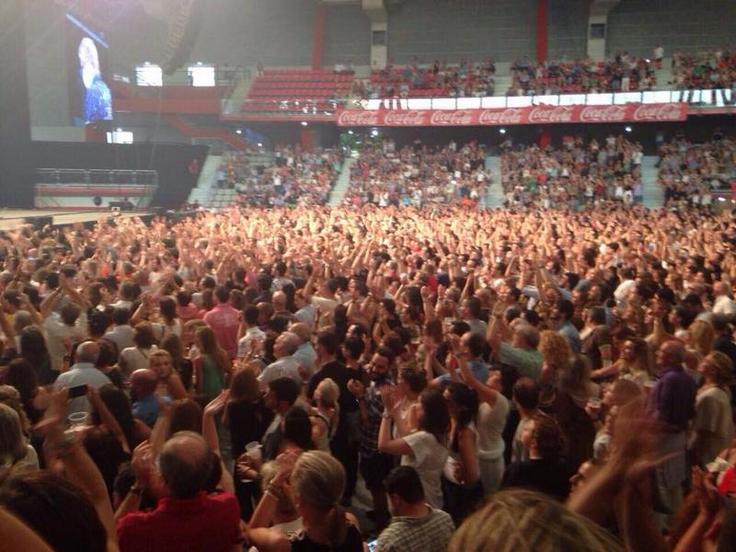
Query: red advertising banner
x,y
533,115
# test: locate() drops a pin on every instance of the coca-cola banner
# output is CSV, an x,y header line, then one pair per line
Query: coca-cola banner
x,y
542,114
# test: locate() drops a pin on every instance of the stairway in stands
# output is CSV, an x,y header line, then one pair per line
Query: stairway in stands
x,y
342,185
207,183
664,75
653,194
494,197
502,78
234,103
188,129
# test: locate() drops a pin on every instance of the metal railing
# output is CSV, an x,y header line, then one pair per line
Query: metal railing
x,y
705,98
97,177
310,107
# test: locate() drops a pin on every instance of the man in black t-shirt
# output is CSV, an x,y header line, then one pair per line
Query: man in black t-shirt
x,y
344,445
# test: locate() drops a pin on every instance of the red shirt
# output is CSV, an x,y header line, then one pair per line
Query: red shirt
x,y
225,321
205,522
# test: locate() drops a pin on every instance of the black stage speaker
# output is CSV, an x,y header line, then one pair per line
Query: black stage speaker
x,y
16,164
183,30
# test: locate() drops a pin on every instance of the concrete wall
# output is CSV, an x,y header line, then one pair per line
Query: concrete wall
x,y
348,36
638,25
438,29
46,64
568,23
244,32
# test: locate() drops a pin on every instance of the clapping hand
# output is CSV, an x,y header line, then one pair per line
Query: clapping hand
x,y
216,405
356,388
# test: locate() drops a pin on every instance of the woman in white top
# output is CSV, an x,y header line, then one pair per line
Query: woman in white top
x,y
405,413
136,358
462,489
713,428
425,449
493,411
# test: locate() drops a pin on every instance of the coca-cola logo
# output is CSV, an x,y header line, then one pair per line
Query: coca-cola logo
x,y
358,118
601,114
660,112
561,114
452,118
509,116
405,118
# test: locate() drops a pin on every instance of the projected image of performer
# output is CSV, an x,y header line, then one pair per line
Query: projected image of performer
x,y
97,96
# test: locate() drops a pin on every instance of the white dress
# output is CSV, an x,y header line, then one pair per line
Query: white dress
x,y
428,458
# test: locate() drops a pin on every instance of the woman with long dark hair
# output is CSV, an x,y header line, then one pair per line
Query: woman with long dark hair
x,y
212,365
424,449
35,399
33,349
461,486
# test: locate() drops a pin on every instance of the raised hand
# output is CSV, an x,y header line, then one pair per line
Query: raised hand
x,y
216,405
356,388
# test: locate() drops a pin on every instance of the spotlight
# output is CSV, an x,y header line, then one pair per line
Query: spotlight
x,y
260,145
502,130
374,132
350,132
238,131
305,123
627,129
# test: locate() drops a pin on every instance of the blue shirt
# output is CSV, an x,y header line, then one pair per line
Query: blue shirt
x,y
570,332
477,367
146,410
672,400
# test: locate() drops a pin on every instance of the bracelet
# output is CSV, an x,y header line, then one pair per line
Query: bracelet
x,y
136,490
273,489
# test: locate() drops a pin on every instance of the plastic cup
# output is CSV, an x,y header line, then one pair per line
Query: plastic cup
x,y
77,419
254,452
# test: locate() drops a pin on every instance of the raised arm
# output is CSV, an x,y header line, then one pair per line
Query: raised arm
x,y
16,535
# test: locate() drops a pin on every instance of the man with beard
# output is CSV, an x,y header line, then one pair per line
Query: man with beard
x,y
375,465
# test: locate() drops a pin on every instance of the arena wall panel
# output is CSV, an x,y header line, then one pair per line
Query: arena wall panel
x,y
638,25
449,31
348,36
568,23
245,32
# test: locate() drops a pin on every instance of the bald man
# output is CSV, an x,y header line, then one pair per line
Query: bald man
x,y
188,517
279,301
83,372
305,353
671,403
285,366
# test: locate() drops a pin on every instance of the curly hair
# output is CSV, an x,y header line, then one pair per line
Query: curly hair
x,y
554,348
